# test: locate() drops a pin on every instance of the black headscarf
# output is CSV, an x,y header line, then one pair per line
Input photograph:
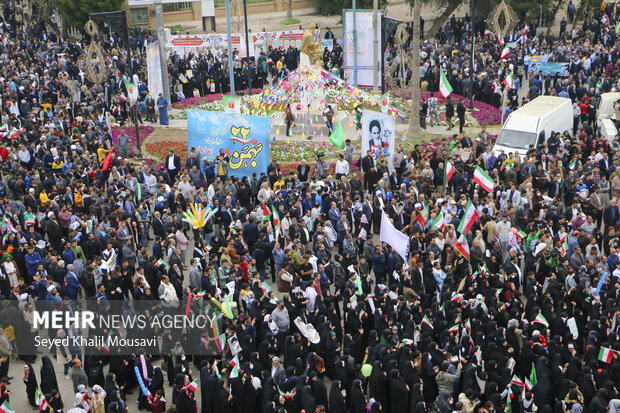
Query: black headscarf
x,y
357,401
48,376
307,401
337,401
442,403
30,380
398,393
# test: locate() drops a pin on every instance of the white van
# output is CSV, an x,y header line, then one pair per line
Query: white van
x,y
606,114
533,123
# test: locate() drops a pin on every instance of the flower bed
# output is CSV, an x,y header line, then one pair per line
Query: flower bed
x,y
160,149
193,102
434,144
215,106
144,132
484,113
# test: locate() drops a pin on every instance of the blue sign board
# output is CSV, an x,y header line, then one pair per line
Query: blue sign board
x,y
244,139
549,68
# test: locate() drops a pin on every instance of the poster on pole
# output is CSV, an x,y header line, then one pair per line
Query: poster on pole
x,y
327,43
244,139
365,45
153,67
378,134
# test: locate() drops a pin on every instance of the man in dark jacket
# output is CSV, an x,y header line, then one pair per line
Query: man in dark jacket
x,y
449,113
250,233
460,112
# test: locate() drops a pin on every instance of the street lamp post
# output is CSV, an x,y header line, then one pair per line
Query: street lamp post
x,y
118,19
163,57
354,43
473,51
231,64
247,44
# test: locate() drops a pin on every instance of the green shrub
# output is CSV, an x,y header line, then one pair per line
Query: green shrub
x,y
290,21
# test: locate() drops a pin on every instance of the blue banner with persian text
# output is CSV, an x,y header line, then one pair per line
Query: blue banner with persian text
x,y
244,139
549,68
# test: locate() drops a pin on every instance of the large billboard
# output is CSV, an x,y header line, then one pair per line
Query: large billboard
x,y
153,66
365,46
378,135
244,139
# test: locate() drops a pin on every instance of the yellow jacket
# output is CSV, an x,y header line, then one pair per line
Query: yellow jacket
x,y
101,154
78,199
44,199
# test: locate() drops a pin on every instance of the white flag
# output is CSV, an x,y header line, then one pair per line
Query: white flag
x,y
394,238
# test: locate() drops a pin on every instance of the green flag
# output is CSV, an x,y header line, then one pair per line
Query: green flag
x,y
139,192
533,378
618,28
337,136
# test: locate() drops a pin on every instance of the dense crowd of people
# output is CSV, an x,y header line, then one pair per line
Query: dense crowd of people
x,y
506,301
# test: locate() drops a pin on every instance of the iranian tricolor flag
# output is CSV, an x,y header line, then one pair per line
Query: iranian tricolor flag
x,y
573,164
541,320
563,246
453,329
234,363
29,218
469,217
193,386
605,354
505,52
524,36
220,342
265,288
426,321
448,172
15,133
6,408
483,179
528,385
276,221
286,395
444,86
40,400
517,381
462,246
456,297
438,223
423,216
488,32
362,313
265,212
509,81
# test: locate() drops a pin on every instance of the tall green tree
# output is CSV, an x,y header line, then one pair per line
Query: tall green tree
x,y
331,7
76,11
